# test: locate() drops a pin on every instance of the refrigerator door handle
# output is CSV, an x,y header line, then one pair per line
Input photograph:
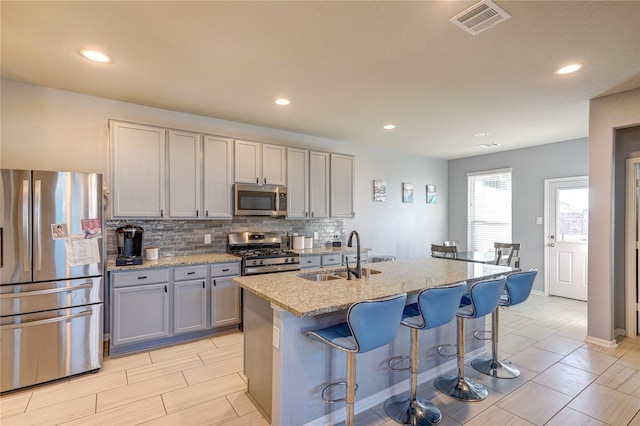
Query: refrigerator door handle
x,y
48,291
26,264
37,204
46,321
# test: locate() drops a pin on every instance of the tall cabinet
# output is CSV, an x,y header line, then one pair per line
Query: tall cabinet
x,y
308,188
343,178
137,170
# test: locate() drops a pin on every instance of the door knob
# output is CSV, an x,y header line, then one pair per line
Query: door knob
x,y
551,245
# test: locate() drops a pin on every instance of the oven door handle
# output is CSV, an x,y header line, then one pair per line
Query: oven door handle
x,y
46,321
47,291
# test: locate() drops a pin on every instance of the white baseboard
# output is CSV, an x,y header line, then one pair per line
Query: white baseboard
x,y
538,292
601,342
619,332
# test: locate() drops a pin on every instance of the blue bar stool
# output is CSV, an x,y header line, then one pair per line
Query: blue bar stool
x,y
370,324
435,306
483,298
517,290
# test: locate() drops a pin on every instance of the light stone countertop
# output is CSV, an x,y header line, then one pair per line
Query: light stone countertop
x,y
166,262
306,298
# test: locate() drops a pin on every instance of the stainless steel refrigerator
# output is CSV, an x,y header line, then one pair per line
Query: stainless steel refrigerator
x,y
51,276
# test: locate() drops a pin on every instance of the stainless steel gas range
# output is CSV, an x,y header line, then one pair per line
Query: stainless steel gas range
x,y
262,253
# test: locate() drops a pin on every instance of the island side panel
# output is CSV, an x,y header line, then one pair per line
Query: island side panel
x,y
258,332
302,367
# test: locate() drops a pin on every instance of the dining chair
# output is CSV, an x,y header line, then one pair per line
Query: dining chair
x,y
442,251
507,253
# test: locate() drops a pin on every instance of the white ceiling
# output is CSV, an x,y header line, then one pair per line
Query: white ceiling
x,y
348,67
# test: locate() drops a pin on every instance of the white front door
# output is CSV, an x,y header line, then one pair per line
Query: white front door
x,y
567,237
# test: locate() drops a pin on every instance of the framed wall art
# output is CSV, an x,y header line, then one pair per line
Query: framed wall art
x,y
379,190
431,194
407,192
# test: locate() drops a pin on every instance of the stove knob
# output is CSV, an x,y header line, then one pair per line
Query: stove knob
x,y
261,262
286,260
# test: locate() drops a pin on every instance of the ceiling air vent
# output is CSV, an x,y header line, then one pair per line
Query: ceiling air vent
x,y
480,17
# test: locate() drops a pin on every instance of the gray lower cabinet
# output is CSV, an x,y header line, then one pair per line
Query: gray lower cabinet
x,y
161,306
225,295
307,262
140,306
189,299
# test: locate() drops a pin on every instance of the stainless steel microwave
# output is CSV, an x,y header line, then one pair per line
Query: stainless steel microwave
x,y
260,200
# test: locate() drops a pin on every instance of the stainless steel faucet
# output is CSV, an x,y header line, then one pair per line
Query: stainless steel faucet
x,y
358,271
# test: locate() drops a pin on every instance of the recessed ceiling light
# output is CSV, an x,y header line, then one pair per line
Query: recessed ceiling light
x,y
95,56
569,69
389,127
282,101
480,135
488,145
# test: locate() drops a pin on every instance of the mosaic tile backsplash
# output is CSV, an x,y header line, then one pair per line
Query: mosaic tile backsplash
x,y
186,237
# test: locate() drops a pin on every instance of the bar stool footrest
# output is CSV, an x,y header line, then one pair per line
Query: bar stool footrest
x,y
449,345
417,412
464,389
498,369
477,334
331,386
398,359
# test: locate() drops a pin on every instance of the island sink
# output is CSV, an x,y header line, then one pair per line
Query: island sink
x,y
313,276
332,275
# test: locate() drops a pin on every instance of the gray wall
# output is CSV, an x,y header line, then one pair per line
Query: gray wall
x,y
50,129
531,166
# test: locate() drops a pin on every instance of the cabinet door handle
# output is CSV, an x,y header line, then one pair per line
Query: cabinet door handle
x,y
142,278
191,273
202,284
165,289
161,213
225,270
265,180
214,283
197,213
257,180
207,213
311,214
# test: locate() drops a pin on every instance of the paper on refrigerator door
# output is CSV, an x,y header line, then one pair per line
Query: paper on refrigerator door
x,y
81,251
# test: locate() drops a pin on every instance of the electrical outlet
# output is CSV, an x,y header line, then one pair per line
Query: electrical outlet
x,y
276,337
538,220
207,238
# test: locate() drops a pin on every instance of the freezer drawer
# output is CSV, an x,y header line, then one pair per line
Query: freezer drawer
x,y
17,299
49,345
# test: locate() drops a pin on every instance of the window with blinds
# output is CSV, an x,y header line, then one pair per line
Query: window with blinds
x,y
489,210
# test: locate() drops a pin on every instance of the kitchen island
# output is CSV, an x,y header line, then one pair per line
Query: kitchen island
x,y
287,371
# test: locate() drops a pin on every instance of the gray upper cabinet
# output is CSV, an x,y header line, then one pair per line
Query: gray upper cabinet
x,y
218,177
342,185
308,188
137,170
319,184
260,163
185,174
298,178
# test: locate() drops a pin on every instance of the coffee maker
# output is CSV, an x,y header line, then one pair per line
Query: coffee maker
x,y
129,243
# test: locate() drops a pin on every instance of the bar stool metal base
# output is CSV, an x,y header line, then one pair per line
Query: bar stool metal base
x,y
498,369
463,388
400,408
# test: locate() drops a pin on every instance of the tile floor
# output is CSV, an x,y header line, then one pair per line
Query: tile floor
x,y
564,382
